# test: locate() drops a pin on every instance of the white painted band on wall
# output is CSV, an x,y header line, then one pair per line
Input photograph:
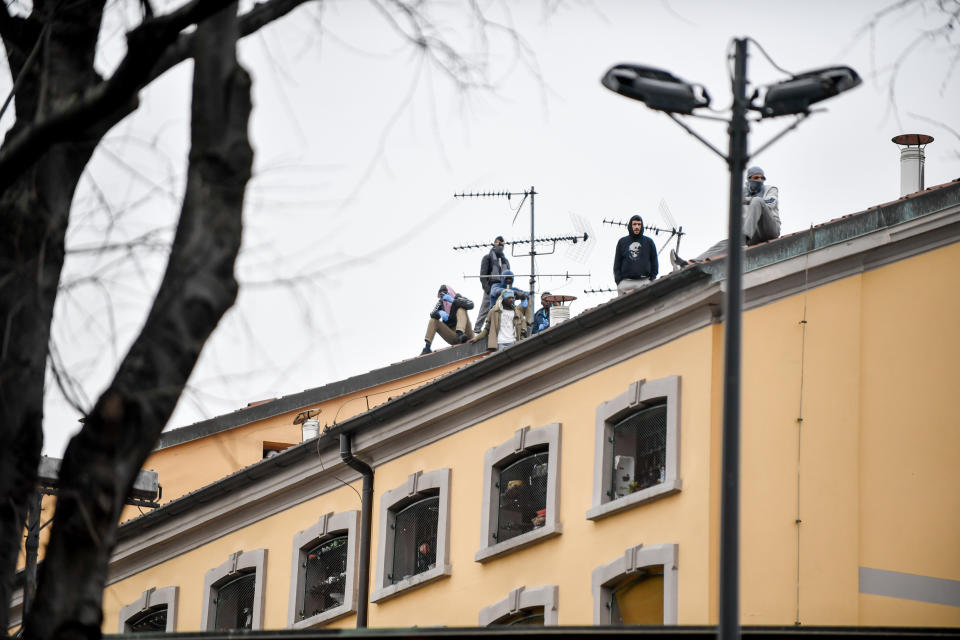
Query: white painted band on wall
x,y
909,586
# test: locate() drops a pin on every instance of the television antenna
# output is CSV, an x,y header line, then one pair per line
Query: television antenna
x,y
533,241
601,290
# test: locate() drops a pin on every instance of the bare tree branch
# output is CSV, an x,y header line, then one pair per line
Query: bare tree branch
x,y
949,10
198,287
145,45
261,15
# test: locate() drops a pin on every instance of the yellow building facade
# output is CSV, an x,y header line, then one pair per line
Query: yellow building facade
x,y
611,421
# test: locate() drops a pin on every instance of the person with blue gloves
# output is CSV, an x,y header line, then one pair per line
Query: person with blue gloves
x,y
541,319
507,321
505,282
449,318
761,217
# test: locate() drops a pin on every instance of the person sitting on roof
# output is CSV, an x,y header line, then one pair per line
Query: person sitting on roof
x,y
761,217
449,318
506,322
541,319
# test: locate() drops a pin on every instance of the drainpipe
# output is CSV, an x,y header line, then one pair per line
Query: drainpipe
x,y
366,511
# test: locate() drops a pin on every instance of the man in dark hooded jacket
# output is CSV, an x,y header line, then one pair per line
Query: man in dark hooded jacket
x,y
635,262
491,267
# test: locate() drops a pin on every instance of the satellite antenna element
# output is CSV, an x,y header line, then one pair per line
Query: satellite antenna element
x,y
675,232
533,241
603,290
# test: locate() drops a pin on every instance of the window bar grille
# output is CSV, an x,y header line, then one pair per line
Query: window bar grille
x,y
639,451
154,619
234,603
523,496
415,538
325,576
533,617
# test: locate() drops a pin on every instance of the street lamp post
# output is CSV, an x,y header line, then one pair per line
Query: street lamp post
x,y
662,91
729,606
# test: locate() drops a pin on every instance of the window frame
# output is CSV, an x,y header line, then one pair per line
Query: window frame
x,y
639,394
605,577
239,562
523,598
521,441
150,599
329,526
417,484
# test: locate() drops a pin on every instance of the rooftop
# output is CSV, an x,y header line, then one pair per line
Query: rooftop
x,y
664,298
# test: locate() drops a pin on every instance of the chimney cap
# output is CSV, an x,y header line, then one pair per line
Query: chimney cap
x,y
912,139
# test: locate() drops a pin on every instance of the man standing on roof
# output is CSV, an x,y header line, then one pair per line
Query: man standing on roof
x,y
541,319
635,263
506,323
761,217
449,318
491,267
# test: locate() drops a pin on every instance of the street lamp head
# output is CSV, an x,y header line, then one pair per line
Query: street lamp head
x,y
799,92
656,88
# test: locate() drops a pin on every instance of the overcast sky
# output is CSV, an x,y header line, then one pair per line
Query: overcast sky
x,y
361,142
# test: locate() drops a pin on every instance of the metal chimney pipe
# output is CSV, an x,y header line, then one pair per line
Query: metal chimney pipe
x,y
911,161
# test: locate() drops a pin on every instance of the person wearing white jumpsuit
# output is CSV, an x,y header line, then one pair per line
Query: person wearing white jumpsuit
x,y
761,217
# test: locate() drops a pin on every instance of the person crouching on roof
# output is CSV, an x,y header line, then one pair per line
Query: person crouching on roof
x,y
449,319
506,322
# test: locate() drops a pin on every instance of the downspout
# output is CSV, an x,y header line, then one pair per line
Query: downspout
x,y
366,511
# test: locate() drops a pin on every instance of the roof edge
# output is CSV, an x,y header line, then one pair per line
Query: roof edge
x,y
308,397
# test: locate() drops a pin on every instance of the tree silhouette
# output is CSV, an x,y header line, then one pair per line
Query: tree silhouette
x,y
63,110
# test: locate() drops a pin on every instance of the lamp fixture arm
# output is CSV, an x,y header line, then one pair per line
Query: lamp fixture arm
x,y
698,137
766,145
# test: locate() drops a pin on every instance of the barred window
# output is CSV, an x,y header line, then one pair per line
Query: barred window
x,y
523,495
326,577
637,454
154,611
233,593
234,601
523,607
152,620
639,450
638,587
323,585
521,491
415,539
413,546
526,618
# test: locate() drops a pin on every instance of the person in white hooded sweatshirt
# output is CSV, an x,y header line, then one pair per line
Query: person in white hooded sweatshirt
x,y
761,217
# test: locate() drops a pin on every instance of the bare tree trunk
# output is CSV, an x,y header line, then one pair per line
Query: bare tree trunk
x,y
34,211
198,287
